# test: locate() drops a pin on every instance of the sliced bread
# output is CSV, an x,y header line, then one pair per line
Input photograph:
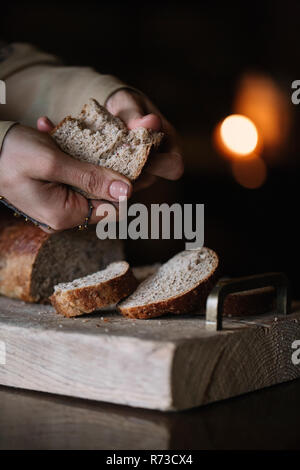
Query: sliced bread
x,y
178,286
98,137
95,291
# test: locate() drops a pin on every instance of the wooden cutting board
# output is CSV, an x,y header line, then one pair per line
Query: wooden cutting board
x,y
168,363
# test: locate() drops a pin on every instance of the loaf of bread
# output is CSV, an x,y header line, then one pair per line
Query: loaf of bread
x,y
98,137
178,286
95,291
250,302
32,262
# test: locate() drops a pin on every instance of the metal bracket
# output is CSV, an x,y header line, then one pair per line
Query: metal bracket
x,y
215,300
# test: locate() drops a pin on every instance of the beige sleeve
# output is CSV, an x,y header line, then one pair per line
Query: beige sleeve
x,y
4,128
38,85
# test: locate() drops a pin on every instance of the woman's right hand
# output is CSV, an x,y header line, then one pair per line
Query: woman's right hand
x,y
35,176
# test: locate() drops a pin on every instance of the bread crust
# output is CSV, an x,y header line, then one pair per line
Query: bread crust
x,y
185,302
20,244
61,124
252,302
76,302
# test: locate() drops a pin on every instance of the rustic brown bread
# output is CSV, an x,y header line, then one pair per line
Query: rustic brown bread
x,y
179,286
245,303
98,137
98,290
32,261
251,302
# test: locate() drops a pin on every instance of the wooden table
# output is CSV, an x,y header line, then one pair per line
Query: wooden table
x,y
267,419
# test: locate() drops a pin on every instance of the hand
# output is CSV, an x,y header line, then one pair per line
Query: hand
x,y
35,174
137,111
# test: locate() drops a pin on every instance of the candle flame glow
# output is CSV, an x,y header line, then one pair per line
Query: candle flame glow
x,y
239,134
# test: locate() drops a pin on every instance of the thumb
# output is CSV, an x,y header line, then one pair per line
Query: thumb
x,y
133,116
95,181
149,121
129,108
44,124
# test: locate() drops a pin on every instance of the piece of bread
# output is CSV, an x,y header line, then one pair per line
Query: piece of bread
x,y
32,261
98,137
98,290
142,272
250,302
179,286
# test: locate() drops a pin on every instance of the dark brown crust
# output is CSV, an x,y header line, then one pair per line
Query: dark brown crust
x,y
252,302
67,118
88,299
183,303
20,244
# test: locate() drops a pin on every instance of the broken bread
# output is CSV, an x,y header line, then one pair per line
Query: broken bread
x,y
98,290
178,286
98,137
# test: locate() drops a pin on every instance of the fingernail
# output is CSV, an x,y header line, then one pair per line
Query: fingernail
x,y
118,189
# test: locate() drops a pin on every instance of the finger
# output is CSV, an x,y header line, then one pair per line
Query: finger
x,y
166,165
54,205
130,114
44,124
97,182
149,121
71,210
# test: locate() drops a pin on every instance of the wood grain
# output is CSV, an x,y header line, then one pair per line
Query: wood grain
x,y
167,363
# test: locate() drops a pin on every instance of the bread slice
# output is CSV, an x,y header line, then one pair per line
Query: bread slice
x,y
98,137
179,286
32,261
95,291
250,302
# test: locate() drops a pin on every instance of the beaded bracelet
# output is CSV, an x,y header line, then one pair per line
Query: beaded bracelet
x,y
18,213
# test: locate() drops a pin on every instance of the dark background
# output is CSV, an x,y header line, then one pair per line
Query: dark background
x,y
188,57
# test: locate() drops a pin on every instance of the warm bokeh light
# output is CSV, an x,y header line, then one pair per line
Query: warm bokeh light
x,y
250,173
261,99
239,134
238,139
